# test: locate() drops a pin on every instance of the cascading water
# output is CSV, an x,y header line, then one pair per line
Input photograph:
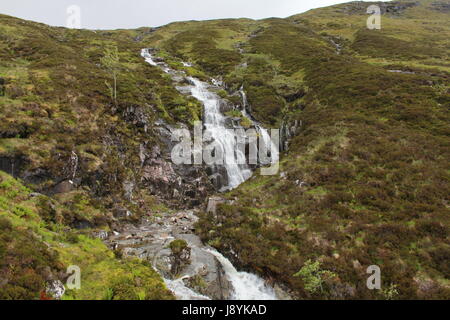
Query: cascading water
x,y
214,121
182,292
267,140
246,286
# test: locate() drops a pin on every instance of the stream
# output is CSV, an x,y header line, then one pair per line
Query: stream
x,y
201,272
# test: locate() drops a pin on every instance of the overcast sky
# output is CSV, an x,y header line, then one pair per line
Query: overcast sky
x,y
113,14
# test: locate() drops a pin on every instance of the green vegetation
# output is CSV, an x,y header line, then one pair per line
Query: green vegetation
x,y
34,248
313,277
177,246
365,180
111,62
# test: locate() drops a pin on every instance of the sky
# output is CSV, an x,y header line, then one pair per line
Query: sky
x,y
115,14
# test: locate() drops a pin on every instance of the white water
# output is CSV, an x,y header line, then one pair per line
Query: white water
x,y
214,122
233,159
274,152
182,292
246,286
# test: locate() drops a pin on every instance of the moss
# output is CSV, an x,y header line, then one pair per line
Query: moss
x,y
35,247
361,175
177,246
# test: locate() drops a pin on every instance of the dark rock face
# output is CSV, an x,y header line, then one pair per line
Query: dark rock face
x,y
188,260
393,8
137,116
441,6
82,224
295,95
12,165
187,185
2,86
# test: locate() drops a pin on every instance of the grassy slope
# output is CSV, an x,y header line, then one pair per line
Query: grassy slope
x,y
372,155
35,247
56,101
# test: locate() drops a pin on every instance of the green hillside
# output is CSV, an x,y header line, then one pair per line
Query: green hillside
x,y
365,180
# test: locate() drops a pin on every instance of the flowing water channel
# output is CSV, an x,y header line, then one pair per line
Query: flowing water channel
x,y
245,286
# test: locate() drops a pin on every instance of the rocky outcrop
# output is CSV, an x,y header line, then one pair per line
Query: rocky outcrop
x,y
55,289
12,165
441,6
186,185
288,131
169,244
392,8
2,86
213,202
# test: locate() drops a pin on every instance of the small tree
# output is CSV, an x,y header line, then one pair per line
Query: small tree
x,y
111,63
313,277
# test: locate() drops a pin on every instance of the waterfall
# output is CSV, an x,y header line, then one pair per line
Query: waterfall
x,y
246,286
214,122
182,292
267,140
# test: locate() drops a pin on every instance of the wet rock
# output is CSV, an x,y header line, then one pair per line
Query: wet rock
x,y
2,87
161,176
181,255
63,187
120,212
208,268
441,6
12,165
225,106
55,289
168,243
82,224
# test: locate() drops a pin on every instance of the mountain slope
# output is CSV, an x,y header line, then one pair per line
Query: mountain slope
x,y
366,180
364,175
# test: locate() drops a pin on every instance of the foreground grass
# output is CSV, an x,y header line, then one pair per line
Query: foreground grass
x,y
35,248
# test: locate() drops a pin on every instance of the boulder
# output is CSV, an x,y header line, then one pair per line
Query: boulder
x,y
63,187
55,289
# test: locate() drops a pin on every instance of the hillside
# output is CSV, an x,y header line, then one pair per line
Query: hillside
x,y
364,176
